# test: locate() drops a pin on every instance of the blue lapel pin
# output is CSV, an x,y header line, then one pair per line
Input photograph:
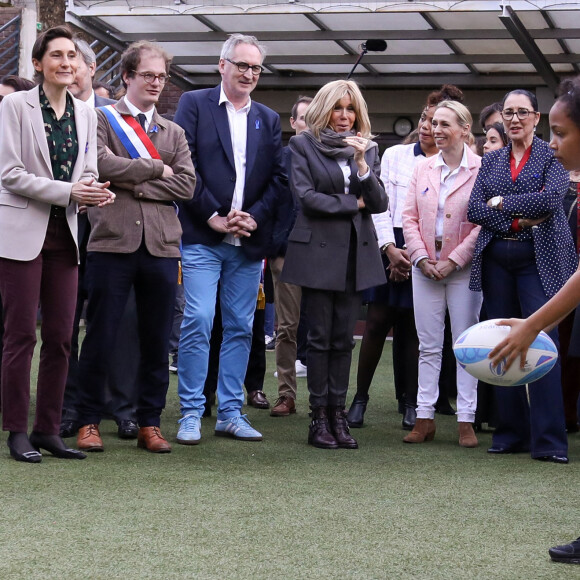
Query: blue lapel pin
x,y
257,123
154,129
87,148
424,192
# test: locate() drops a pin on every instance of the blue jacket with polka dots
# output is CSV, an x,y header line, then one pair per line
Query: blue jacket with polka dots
x,y
537,191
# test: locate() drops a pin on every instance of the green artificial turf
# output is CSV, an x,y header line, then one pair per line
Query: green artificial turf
x,y
281,509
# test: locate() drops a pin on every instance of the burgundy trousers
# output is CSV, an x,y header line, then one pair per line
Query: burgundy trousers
x,y
51,281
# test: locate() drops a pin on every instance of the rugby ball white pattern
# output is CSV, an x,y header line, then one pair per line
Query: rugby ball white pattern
x,y
474,345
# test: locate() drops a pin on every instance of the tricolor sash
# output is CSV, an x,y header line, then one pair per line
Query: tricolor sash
x,y
131,134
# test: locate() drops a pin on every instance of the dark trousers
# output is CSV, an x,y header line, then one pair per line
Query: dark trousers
x,y
512,288
331,320
51,280
109,281
121,386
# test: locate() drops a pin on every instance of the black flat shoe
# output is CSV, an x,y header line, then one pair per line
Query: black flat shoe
x,y
553,458
21,449
127,429
498,450
444,409
68,428
409,418
356,413
54,445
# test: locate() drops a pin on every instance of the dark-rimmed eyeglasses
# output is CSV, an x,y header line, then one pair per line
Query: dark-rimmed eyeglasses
x,y
508,114
149,77
244,66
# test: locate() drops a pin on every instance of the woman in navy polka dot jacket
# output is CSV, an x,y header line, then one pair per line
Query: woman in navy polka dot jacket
x,y
524,254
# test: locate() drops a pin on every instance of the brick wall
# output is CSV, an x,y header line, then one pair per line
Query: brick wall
x,y
169,99
6,67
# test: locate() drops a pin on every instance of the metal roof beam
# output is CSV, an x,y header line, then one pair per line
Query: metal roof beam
x,y
347,59
519,33
109,38
316,21
561,41
335,35
387,81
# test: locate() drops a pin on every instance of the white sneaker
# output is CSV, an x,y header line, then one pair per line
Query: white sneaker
x,y
300,369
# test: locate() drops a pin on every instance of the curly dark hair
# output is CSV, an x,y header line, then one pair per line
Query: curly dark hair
x,y
569,96
445,93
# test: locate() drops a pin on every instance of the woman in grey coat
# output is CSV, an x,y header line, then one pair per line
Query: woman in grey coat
x,y
332,250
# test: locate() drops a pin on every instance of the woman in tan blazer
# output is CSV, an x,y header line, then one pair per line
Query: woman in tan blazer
x,y
48,165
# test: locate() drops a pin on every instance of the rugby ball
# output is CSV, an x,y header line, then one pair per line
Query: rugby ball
x,y
472,348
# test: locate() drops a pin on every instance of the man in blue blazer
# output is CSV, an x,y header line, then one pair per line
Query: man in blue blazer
x,y
236,149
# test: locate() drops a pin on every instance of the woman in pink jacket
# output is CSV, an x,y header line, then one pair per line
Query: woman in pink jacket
x,y
440,244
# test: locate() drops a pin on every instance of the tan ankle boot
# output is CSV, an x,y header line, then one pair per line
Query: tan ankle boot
x,y
424,430
467,436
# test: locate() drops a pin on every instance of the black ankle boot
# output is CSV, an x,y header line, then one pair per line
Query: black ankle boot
x,y
319,434
356,413
339,428
409,417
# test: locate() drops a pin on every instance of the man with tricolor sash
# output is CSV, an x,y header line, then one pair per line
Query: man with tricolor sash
x,y
147,160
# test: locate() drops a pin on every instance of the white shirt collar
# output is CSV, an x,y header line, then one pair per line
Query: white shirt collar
x,y
224,99
135,111
440,162
91,100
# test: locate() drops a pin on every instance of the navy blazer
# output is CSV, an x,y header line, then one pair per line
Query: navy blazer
x,y
207,131
285,213
538,190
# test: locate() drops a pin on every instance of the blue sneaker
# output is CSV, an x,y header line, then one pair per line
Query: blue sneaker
x,y
189,433
238,428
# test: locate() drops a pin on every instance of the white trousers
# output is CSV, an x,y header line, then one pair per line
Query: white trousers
x,y
431,298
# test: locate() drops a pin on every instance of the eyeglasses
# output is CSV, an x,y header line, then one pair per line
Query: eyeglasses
x,y
150,77
508,114
244,66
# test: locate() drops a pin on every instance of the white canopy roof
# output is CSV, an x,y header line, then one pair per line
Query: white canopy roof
x,y
474,44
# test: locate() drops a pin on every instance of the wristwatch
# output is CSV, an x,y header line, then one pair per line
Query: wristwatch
x,y
495,201
385,246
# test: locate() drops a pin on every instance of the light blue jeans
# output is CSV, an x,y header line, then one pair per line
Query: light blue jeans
x,y
239,278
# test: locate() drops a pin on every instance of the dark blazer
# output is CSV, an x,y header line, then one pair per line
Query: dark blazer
x,y
143,208
285,212
318,246
207,130
538,190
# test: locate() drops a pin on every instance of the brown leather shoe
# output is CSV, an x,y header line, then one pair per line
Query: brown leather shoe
x,y
150,438
283,407
424,430
467,436
258,400
89,438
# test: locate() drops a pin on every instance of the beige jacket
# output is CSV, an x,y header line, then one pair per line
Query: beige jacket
x,y
28,188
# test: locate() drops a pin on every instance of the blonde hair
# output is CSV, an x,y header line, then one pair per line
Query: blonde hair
x,y
461,112
319,111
